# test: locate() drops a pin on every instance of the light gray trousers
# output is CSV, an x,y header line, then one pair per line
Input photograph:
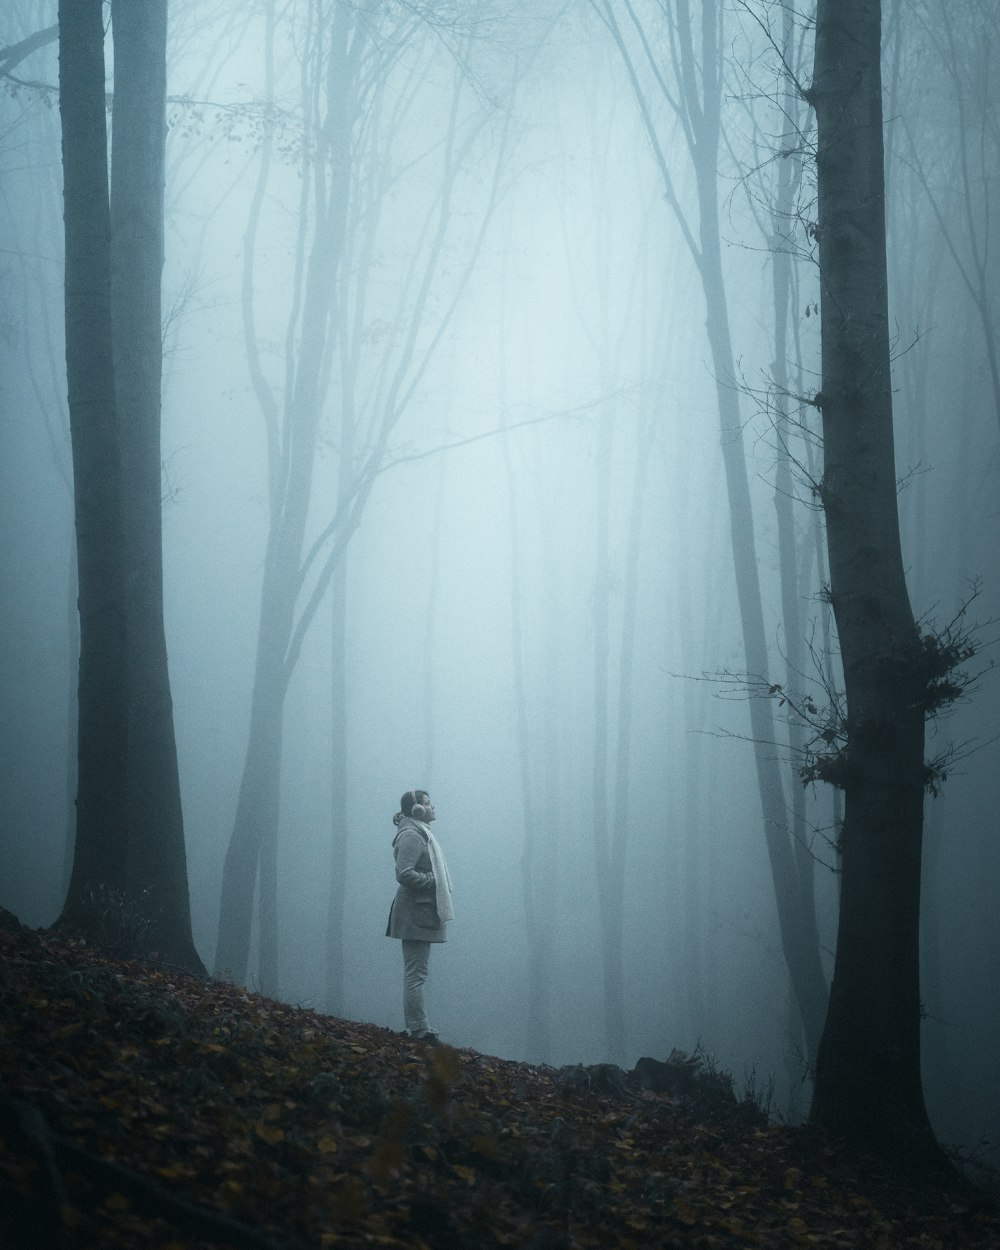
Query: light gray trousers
x,y
416,956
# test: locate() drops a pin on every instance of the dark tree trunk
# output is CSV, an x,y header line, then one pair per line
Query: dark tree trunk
x,y
129,847
868,1081
157,862
101,851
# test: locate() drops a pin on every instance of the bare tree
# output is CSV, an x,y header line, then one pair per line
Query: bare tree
x,y
347,62
965,41
688,80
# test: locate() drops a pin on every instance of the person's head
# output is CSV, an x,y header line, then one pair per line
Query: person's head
x,y
417,803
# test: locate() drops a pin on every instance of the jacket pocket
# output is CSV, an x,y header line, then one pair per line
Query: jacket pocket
x,y
425,914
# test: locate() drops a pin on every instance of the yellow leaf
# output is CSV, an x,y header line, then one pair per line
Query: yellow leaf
x,y
349,1202
467,1174
446,1064
389,1156
269,1133
685,1212
327,1145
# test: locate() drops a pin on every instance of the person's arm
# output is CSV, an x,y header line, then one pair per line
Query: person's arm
x,y
409,848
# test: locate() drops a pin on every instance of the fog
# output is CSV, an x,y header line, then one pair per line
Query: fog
x,y
538,595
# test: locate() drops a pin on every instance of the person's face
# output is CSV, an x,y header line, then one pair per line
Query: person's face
x,y
429,806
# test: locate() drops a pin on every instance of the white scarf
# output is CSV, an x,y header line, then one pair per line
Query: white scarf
x,y
442,878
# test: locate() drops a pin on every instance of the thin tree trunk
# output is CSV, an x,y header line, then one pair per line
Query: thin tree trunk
x,y
609,880
614,959
253,844
537,1033
697,106
797,923
788,555
338,778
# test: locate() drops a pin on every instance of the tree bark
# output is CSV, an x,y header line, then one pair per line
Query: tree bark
x,y
101,851
868,1080
157,874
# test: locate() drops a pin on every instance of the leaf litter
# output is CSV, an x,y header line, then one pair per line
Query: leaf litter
x,y
142,1107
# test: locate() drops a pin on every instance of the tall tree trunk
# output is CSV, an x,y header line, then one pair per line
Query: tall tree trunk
x,y
619,821
609,880
797,922
255,828
157,863
868,1079
257,806
338,778
537,1028
101,853
339,732
346,64
792,589
697,103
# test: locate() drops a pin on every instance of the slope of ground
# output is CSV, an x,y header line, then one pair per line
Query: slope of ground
x,y
143,1107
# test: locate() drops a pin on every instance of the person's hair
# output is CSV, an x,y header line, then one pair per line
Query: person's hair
x,y
410,800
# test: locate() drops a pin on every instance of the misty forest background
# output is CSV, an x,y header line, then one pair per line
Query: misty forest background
x,y
490,338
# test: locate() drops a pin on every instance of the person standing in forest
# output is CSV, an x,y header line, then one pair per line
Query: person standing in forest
x,y
422,905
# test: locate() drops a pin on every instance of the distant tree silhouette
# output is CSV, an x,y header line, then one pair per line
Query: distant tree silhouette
x,y
681,55
348,59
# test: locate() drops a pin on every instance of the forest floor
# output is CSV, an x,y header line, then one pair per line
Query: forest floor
x,y
143,1107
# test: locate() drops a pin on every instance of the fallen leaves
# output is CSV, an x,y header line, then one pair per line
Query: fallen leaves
x,y
204,1116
